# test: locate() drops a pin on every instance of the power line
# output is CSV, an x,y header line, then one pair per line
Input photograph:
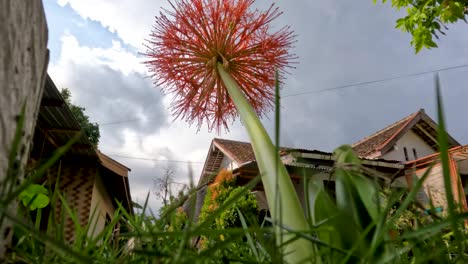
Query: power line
x,y
375,81
152,159
129,120
333,88
120,122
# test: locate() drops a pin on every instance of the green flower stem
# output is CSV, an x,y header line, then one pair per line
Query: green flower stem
x,y
285,196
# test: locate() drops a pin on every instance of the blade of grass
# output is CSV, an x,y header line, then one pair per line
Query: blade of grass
x,y
42,169
250,240
432,229
306,234
58,246
277,206
411,195
444,157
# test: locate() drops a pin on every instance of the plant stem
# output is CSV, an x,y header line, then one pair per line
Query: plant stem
x,y
266,156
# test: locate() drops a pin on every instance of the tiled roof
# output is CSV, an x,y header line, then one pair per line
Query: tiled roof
x,y
241,152
377,140
382,141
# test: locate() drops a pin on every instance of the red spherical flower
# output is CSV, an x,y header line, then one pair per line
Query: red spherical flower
x,y
187,43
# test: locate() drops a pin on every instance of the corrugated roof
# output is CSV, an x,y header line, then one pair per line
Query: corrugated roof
x,y
59,124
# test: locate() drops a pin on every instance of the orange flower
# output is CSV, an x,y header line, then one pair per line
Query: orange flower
x,y
187,43
224,176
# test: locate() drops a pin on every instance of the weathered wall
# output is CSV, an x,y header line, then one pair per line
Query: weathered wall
x,y
101,204
433,188
23,64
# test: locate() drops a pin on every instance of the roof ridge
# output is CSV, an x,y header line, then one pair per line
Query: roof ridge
x,y
230,140
281,148
399,122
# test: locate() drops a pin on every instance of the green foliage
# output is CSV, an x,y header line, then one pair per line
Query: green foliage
x,y
91,129
34,197
427,18
349,224
247,205
224,189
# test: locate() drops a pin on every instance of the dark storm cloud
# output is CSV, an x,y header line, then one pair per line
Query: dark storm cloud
x,y
341,43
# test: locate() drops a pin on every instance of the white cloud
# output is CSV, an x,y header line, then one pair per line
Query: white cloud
x,y
131,20
116,57
110,83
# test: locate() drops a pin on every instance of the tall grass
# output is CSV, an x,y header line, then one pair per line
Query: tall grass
x,y
365,224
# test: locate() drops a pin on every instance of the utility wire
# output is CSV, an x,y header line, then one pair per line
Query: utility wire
x,y
128,120
334,88
152,159
375,81
120,122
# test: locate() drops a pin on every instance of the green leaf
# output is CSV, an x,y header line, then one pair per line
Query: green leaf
x,y
356,198
400,24
442,139
34,197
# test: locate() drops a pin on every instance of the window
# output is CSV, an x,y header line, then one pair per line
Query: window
x,y
406,153
330,188
415,153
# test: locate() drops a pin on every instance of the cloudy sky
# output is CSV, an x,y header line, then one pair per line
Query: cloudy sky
x,y
95,52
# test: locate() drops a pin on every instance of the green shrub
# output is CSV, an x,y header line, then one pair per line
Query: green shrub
x,y
246,204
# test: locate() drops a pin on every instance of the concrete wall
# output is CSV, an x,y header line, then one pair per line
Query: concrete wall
x,y
411,141
101,205
23,64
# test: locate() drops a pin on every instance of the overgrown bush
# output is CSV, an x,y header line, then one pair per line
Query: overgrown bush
x,y
222,189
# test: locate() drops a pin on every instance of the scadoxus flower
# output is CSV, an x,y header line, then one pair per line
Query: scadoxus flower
x,y
188,42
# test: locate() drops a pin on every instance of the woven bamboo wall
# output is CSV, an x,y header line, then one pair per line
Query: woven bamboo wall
x,y
76,184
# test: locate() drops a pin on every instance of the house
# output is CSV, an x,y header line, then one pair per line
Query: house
x,y
91,182
394,152
413,137
433,190
239,157
413,141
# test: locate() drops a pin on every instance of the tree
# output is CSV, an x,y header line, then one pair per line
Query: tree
x,y
426,19
23,64
91,129
163,185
